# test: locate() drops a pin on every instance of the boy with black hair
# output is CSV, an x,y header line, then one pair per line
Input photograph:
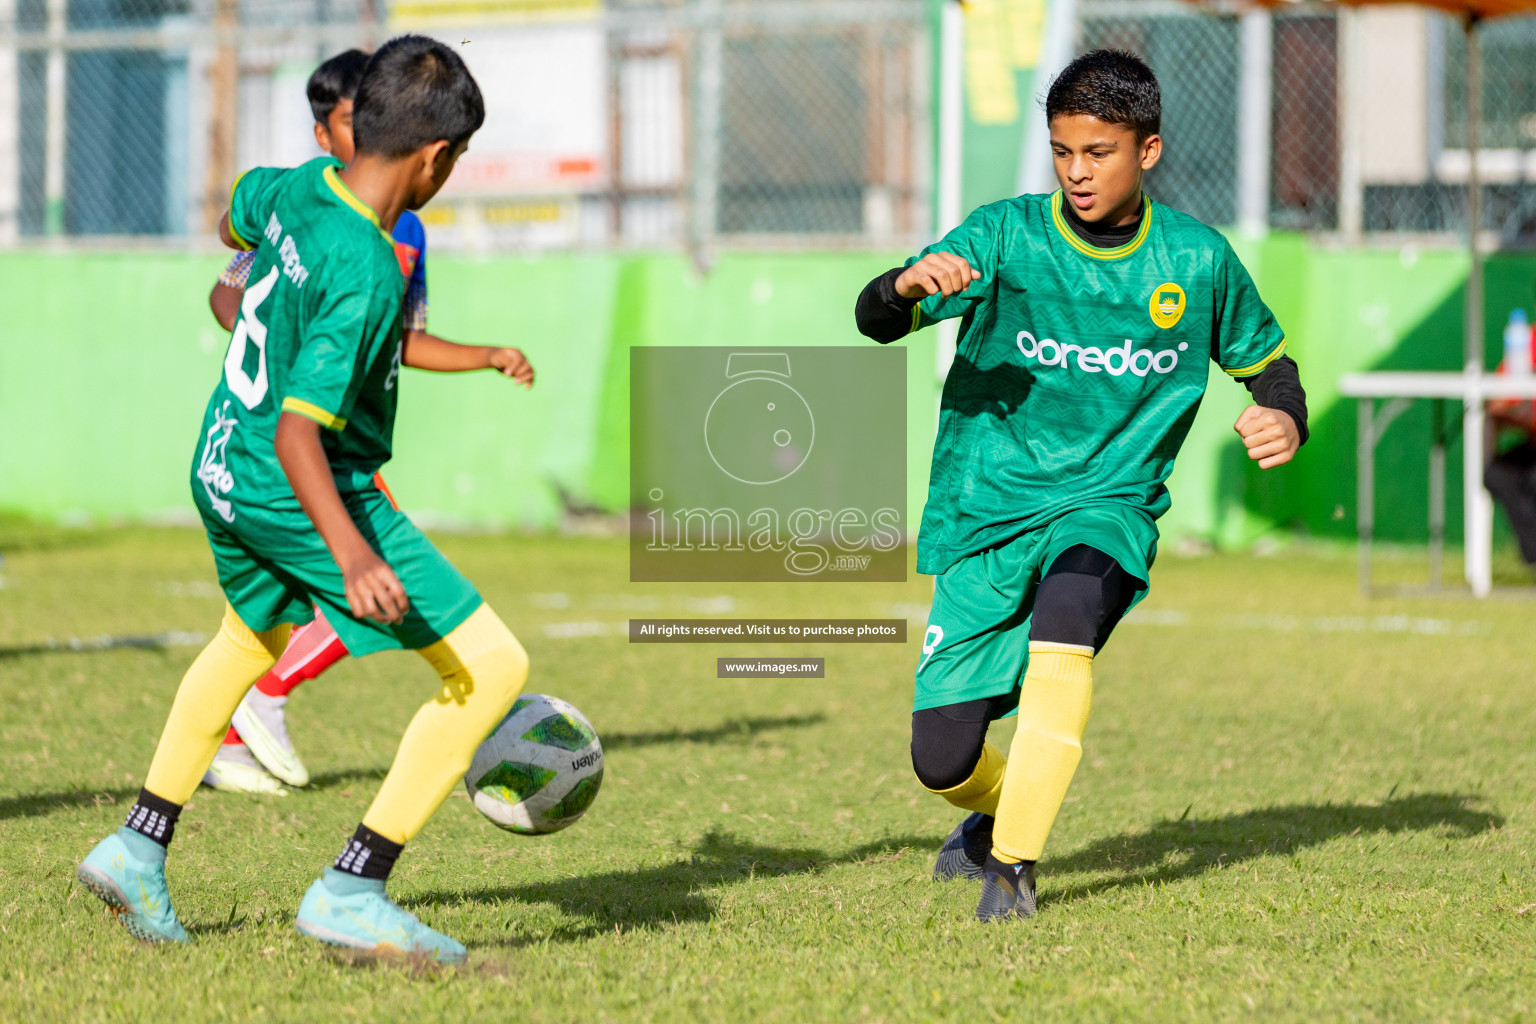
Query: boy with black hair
x,y
257,751
283,477
1088,318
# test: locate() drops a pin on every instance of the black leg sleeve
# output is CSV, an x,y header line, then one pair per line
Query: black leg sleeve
x,y
1082,598
947,741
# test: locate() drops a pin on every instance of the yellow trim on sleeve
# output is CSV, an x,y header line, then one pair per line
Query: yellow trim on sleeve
x,y
314,412
247,246
1083,247
1249,371
917,317
347,196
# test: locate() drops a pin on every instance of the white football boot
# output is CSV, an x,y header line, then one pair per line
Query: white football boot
x,y
260,722
234,770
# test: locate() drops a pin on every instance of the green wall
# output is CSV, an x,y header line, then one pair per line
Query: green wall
x,y
107,358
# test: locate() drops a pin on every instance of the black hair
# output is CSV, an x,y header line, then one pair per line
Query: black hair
x,y
415,92
1115,86
335,80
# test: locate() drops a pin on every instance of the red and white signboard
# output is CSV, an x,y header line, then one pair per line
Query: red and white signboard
x,y
546,111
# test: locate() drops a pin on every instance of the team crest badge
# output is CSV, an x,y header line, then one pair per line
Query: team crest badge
x,y
1166,305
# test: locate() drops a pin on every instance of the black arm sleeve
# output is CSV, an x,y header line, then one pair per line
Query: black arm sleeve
x,y
1279,387
881,313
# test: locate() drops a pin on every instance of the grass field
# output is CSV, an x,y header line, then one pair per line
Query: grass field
x,y
1293,805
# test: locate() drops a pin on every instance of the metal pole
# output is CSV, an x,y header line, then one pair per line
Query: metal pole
x,y
57,113
1255,110
1037,172
707,84
1351,100
1437,498
949,210
1477,505
223,111
1365,486
10,130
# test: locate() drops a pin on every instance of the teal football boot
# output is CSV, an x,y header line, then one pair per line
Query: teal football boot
x,y
345,910
132,887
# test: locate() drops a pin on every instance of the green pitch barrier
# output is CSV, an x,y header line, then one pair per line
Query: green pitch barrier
x,y
107,359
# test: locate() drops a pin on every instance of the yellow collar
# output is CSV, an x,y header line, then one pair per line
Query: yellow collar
x,y
347,196
1060,220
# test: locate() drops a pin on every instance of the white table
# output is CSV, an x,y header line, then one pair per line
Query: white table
x,y
1399,389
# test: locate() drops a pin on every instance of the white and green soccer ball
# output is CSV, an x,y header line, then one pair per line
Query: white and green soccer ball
x,y
539,770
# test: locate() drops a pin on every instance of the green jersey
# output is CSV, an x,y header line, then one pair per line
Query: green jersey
x,y
318,335
1078,370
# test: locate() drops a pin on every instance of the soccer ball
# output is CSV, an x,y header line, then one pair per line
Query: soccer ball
x,y
539,770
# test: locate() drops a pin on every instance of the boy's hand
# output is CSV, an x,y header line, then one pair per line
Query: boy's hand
x,y
935,273
373,590
1269,435
511,362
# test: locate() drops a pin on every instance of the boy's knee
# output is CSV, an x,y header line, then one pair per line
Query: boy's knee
x,y
945,750
480,658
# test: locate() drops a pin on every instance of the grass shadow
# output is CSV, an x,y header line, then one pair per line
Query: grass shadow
x,y
735,729
1174,849
37,805
87,645
668,894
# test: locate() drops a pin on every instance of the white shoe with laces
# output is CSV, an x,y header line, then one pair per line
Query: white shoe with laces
x,y
261,724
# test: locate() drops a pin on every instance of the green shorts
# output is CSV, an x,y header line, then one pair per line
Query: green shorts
x,y
274,568
977,642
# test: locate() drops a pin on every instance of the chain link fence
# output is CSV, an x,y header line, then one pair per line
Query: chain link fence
x,y
632,123
1349,120
700,123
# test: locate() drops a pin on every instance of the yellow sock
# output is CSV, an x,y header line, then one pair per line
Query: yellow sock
x,y
483,669
980,792
207,697
1053,713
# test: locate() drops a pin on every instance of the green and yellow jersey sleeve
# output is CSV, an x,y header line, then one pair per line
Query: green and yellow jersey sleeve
x,y
251,201
978,240
1247,337
354,320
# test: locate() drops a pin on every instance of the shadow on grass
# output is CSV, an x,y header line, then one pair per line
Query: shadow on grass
x,y
33,805
89,645
735,729
671,893
36,805
1180,848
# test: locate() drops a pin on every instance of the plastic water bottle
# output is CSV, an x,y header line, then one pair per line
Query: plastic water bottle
x,y
1517,345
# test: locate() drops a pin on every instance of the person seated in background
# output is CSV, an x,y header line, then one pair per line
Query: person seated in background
x,y
1511,474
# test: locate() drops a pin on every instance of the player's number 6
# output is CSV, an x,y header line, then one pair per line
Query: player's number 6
x,y
250,390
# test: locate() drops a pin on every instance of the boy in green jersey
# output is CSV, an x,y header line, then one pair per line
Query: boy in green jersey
x,y
1088,318
283,477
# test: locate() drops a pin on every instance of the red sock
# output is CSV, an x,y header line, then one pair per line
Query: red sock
x,y
232,738
311,650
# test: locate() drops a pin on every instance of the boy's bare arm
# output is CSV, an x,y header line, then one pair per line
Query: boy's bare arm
x,y
425,351
373,590
225,303
226,235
